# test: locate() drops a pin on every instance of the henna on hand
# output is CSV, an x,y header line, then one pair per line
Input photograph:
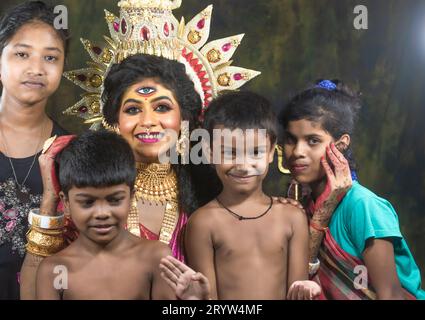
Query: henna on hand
x,y
338,183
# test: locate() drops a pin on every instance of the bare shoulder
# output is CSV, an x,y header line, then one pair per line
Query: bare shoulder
x,y
289,212
206,216
47,267
152,250
62,258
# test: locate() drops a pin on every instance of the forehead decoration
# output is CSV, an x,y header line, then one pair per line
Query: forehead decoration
x,y
146,92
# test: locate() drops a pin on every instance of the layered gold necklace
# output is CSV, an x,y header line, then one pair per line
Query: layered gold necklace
x,y
156,183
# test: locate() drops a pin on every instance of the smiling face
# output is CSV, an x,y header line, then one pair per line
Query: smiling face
x,y
147,110
244,161
31,64
99,214
305,144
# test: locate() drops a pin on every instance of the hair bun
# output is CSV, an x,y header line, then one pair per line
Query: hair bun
x,y
345,89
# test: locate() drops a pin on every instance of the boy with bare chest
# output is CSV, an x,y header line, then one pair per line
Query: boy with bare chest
x,y
97,173
248,246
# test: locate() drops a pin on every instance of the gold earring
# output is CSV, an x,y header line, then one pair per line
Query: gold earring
x,y
280,165
294,190
108,127
182,146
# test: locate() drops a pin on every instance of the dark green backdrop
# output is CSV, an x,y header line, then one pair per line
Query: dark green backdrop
x,y
294,42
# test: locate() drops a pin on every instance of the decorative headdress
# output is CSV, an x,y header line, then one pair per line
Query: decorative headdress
x,y
149,27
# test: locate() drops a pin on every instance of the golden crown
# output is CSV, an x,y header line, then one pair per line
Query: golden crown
x,y
149,27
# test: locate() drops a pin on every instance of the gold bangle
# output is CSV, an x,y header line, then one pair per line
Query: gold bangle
x,y
43,242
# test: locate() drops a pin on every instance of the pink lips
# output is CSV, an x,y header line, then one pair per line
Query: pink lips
x,y
299,168
33,84
242,179
148,140
103,229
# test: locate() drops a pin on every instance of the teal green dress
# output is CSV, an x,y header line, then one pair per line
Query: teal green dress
x,y
363,215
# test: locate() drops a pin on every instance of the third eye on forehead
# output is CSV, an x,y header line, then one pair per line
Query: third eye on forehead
x,y
146,91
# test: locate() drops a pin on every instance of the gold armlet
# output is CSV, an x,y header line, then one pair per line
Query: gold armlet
x,y
44,242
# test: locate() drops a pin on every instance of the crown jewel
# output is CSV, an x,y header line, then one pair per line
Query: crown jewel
x,y
157,4
149,27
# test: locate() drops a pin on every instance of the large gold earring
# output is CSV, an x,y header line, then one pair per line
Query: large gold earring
x,y
280,165
117,130
108,127
182,146
294,190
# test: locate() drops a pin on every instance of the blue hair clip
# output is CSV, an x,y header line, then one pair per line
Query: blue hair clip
x,y
327,85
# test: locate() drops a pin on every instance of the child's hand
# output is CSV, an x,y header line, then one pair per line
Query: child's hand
x,y
339,181
186,283
290,201
304,290
51,188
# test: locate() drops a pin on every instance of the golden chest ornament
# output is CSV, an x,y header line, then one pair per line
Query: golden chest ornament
x,y
156,183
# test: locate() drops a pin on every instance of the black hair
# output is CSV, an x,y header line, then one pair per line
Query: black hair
x,y
28,12
172,75
241,110
335,109
96,159
169,73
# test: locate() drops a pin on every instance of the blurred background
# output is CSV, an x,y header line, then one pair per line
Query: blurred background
x,y
293,43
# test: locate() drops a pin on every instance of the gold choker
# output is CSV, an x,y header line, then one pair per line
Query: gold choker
x,y
156,183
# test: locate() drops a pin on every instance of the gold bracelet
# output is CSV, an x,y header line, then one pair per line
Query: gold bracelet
x,y
44,242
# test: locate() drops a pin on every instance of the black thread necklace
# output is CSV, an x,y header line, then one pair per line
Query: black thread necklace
x,y
21,190
239,217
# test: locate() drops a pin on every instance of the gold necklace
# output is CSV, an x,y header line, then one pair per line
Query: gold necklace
x,y
156,183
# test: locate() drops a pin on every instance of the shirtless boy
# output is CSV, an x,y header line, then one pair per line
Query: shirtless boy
x,y
248,246
97,173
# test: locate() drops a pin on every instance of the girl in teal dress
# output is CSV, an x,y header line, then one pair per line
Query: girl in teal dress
x,y
363,255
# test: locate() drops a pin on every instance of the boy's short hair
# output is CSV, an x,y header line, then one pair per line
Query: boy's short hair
x,y
241,110
96,159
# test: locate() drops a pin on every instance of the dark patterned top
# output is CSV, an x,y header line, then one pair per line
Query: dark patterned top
x,y
14,207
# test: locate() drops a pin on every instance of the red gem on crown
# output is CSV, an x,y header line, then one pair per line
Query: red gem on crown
x,y
145,34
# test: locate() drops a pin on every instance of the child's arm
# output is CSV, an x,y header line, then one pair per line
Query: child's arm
x,y
298,247
380,263
186,283
338,183
299,287
48,206
45,281
200,247
160,289
29,275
